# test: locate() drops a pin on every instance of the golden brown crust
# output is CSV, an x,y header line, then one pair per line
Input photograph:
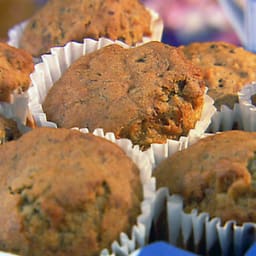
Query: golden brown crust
x,y
61,21
8,130
215,175
226,68
15,68
147,93
64,192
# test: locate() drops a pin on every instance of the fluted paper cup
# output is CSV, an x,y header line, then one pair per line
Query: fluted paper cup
x,y
201,234
56,63
17,110
197,231
226,119
157,152
139,232
247,107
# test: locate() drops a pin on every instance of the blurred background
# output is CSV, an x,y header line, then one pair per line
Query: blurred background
x,y
15,11
185,21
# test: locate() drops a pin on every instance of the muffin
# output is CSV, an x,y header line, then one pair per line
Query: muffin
x,y
147,94
15,68
65,194
8,130
59,22
226,69
214,175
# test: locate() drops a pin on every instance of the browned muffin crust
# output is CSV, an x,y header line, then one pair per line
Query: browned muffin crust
x,y
61,21
65,193
226,69
15,68
8,130
147,93
216,175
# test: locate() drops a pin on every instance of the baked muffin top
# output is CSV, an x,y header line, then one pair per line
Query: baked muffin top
x,y
61,21
215,175
15,67
147,93
226,68
64,192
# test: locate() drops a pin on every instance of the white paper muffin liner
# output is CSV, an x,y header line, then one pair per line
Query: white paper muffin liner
x,y
15,33
207,234
247,109
55,64
126,244
140,231
17,107
226,119
157,152
17,110
52,67
243,114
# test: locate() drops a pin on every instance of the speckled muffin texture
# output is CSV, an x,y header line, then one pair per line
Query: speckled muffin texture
x,y
68,194
215,175
8,130
226,68
61,21
147,93
15,67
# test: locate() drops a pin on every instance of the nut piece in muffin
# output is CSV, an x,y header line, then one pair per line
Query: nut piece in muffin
x,y
15,67
8,130
146,94
61,21
217,175
69,194
226,69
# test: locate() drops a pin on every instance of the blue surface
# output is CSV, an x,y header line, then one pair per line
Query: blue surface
x,y
163,249
251,251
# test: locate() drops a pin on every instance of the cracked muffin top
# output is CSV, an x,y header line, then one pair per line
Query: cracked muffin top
x,y
217,175
69,193
15,67
146,94
61,21
226,69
